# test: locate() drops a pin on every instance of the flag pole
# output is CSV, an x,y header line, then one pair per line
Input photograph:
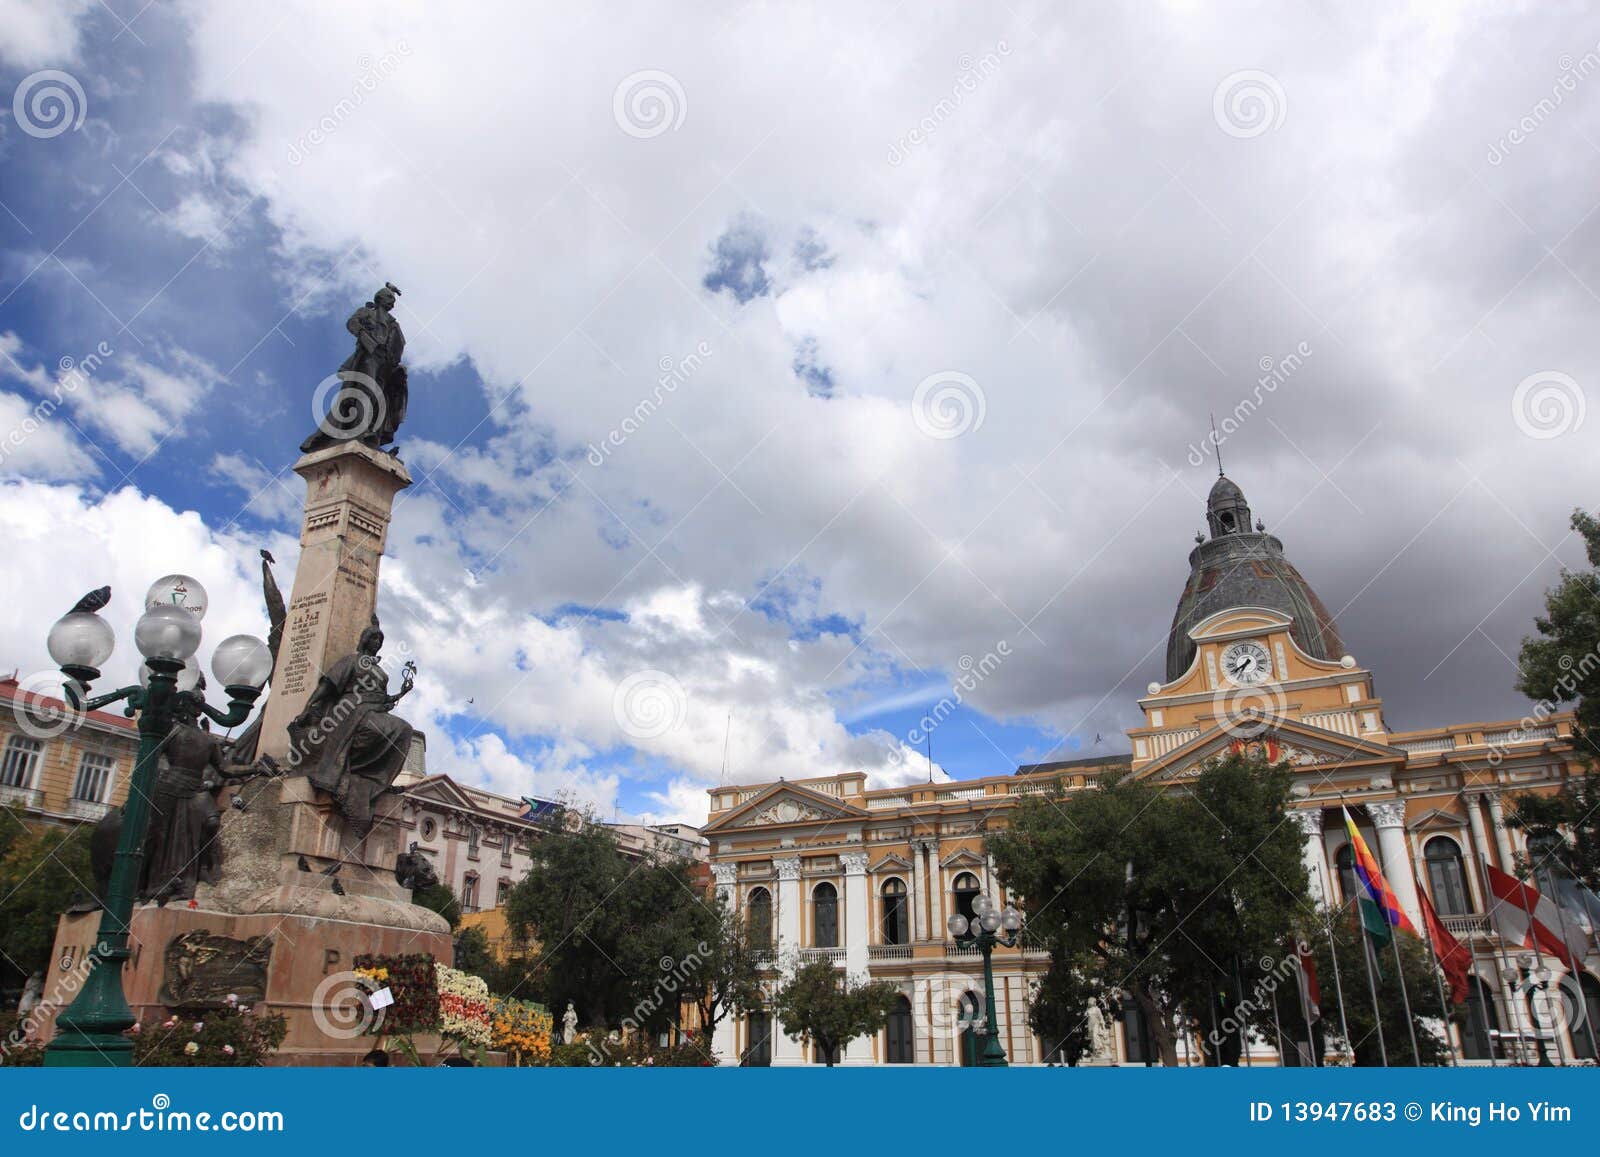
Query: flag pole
x,y
1561,919
1372,985
1338,989
1399,966
1497,957
1438,984
1305,1001
1277,1029
1538,956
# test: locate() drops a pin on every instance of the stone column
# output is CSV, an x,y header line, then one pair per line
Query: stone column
x,y
350,491
914,897
1480,847
1390,819
857,935
935,893
785,1048
1502,835
1310,823
725,1040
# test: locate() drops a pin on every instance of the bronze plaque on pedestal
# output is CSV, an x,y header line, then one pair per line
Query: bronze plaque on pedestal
x,y
203,969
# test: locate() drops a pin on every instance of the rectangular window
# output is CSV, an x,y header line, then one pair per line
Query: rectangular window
x,y
95,773
20,761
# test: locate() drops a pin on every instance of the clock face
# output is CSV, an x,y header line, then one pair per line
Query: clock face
x,y
1247,663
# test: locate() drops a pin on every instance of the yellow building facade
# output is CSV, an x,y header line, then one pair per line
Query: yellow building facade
x,y
867,878
57,773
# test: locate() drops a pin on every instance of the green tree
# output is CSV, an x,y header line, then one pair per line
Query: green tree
x,y
439,898
727,976
569,903
1562,663
44,870
1172,900
473,954
823,1007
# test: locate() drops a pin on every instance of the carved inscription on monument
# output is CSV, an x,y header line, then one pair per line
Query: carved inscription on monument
x,y
300,635
203,969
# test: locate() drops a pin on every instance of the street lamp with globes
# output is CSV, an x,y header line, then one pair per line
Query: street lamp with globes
x,y
989,926
91,1030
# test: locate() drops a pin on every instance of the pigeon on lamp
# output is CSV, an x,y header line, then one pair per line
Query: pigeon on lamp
x,y
92,601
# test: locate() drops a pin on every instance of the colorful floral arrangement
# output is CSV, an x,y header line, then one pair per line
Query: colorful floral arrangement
x,y
411,981
463,1006
521,1029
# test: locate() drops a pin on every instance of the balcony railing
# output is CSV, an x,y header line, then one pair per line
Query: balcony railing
x,y
25,797
810,955
1466,925
888,952
84,809
953,948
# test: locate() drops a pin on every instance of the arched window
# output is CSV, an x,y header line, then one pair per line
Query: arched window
x,y
966,891
1478,1020
1446,878
825,907
896,926
1585,1035
901,1050
1349,883
759,918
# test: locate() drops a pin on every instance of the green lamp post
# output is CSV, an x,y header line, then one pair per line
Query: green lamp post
x,y
1537,980
91,1031
990,926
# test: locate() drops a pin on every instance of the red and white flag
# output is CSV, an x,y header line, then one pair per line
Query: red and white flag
x,y
1522,915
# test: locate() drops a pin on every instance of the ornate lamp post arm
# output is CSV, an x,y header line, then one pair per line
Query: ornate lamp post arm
x,y
91,1030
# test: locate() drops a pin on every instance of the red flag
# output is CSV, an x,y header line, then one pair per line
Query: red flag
x,y
1453,956
1523,916
1306,976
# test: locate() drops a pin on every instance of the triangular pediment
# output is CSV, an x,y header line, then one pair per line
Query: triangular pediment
x,y
786,803
441,789
892,863
1275,739
1437,820
964,858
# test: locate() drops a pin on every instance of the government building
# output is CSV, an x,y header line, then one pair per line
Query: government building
x,y
826,869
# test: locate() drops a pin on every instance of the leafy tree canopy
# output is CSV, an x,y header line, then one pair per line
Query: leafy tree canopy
x,y
823,1007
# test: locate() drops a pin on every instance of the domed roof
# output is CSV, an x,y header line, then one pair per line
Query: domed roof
x,y
1238,567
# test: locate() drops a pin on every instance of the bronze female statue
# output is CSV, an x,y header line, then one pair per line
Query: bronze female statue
x,y
346,740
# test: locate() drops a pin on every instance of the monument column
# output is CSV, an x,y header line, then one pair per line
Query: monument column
x,y
785,1048
1390,819
350,489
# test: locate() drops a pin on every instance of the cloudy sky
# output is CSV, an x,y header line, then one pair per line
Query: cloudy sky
x,y
772,365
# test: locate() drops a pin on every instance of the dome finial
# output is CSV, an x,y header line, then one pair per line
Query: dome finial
x,y
1216,444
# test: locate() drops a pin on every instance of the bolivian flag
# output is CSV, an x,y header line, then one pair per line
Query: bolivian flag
x,y
1371,877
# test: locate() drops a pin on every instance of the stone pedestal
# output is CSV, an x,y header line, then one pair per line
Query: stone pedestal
x,y
350,491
